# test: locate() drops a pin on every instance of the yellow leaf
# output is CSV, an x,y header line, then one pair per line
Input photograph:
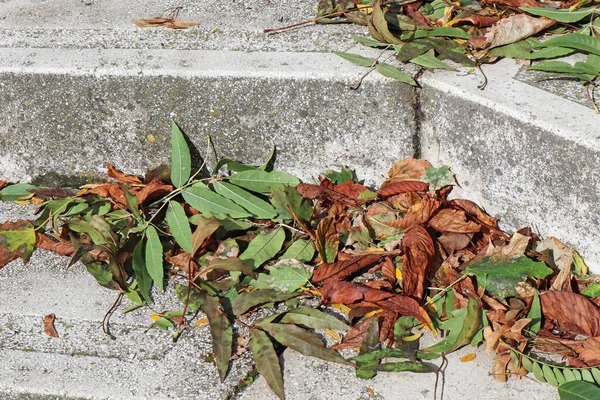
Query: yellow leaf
x,y
155,317
375,250
468,357
398,274
412,338
201,321
334,335
151,138
370,314
341,307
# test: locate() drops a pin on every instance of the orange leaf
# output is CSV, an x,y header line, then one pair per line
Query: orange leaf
x,y
49,326
418,253
450,220
121,176
468,357
154,190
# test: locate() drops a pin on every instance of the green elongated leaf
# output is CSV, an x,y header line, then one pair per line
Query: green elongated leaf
x,y
356,59
262,181
263,247
228,264
163,323
205,227
303,342
154,256
442,32
535,314
247,300
181,159
134,296
132,203
560,66
501,278
390,71
568,373
232,165
538,373
16,192
587,376
205,200
367,41
301,250
266,360
407,51
193,300
594,61
81,226
221,330
527,363
403,366
596,374
549,375
17,239
560,378
577,374
519,49
102,275
578,390
285,276
138,264
428,60
380,354
179,225
577,41
549,52
288,198
585,67
258,207
560,15
313,319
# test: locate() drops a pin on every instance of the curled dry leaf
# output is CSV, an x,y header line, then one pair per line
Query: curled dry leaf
x,y
480,21
451,220
571,313
110,190
58,247
403,187
311,191
337,271
171,23
417,214
121,176
49,326
405,170
418,253
350,189
156,189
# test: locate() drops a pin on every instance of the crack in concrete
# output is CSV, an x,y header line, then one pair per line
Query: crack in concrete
x,y
417,116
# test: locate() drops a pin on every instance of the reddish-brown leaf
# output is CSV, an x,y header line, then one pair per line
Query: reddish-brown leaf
x,y
418,252
571,313
3,183
588,350
154,190
513,3
185,262
451,220
311,191
379,284
418,214
355,336
475,212
350,189
121,176
338,271
480,21
412,10
403,187
343,292
171,23
455,241
406,170
408,306
388,269
49,326
54,193
59,247
110,190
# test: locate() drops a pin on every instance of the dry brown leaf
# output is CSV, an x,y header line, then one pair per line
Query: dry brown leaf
x,y
311,191
172,23
59,247
3,183
571,313
451,220
515,28
121,176
417,214
480,21
49,326
110,190
455,241
406,170
403,187
418,253
154,190
340,270
355,335
350,189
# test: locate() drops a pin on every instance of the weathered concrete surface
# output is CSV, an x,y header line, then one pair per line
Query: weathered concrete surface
x,y
314,379
528,156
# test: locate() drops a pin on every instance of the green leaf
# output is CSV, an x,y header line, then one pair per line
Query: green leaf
x,y
535,314
390,71
549,375
17,239
205,200
263,247
561,67
549,52
538,373
577,41
193,301
179,225
221,330
369,343
560,15
341,176
586,375
596,374
518,49
16,192
180,157
288,197
578,390
266,360
438,177
356,59
81,226
138,264
154,256
568,373
379,354
594,61
367,41
232,165
163,323
428,60
102,275
247,300
262,181
313,319
285,276
301,250
303,342
258,207
560,378
501,278
442,32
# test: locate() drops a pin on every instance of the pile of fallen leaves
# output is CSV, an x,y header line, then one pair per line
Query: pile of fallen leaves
x,y
254,249
472,33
